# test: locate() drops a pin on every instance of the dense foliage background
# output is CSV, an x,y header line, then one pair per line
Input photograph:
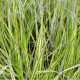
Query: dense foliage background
x,y
40,39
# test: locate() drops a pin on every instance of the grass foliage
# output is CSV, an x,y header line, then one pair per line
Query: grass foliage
x,y
40,39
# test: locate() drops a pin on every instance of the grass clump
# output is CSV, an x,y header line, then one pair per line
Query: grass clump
x,y
40,39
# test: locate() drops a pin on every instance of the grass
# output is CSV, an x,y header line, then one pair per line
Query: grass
x,y
40,39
